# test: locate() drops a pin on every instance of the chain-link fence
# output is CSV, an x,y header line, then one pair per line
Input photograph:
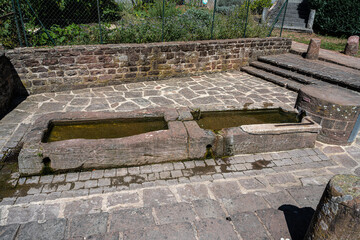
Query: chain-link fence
x,y
78,22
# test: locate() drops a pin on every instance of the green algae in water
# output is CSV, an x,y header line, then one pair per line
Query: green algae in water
x,y
226,119
99,129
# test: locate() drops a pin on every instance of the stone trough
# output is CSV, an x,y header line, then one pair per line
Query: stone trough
x,y
156,135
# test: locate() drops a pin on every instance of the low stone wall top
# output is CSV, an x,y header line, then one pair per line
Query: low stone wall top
x,y
74,67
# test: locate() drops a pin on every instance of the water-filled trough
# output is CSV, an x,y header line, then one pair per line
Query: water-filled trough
x,y
77,140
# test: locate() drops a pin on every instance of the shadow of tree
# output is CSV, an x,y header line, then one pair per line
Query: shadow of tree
x,y
297,219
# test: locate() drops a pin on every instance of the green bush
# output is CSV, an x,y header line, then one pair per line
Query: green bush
x,y
233,26
156,9
257,6
66,12
8,37
334,17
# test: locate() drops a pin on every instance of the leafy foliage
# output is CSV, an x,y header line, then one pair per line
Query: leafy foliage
x,y
141,23
7,25
334,17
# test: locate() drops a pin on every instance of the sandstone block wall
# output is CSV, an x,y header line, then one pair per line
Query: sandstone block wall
x,y
74,67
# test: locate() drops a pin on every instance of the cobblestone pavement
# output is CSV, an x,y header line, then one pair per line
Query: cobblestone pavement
x,y
230,89
253,196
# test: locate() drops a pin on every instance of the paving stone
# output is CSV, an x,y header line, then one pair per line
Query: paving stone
x,y
102,182
145,169
175,231
121,172
280,178
87,225
275,222
318,180
172,213
98,190
157,167
33,180
251,183
134,170
58,178
21,180
214,228
178,165
50,229
210,162
279,198
333,149
8,232
72,177
122,198
53,196
176,174
165,175
153,176
79,185
8,201
190,192
189,164
49,188
83,206
158,196
136,218
225,190
36,190
307,196
91,183
96,174
244,203
110,173
208,208
84,176
345,160
38,197
200,163
104,236
32,212
63,187
248,226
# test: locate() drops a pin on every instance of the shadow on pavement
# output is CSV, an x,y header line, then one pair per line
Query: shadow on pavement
x,y
297,219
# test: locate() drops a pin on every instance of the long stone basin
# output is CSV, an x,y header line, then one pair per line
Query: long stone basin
x,y
181,138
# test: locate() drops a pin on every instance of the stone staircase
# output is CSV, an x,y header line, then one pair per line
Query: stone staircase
x,y
293,72
296,18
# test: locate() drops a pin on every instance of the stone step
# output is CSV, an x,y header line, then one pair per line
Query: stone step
x,y
278,80
285,73
315,70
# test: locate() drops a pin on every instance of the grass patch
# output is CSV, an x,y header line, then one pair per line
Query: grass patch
x,y
327,42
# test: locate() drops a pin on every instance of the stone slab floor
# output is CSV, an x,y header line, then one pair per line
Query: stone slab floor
x,y
232,198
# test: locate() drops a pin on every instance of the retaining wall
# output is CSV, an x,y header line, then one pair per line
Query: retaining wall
x,y
74,67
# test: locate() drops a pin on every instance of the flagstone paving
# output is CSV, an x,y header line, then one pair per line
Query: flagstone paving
x,y
239,197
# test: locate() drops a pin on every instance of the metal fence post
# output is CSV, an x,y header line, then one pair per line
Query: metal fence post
x,y
163,21
22,23
247,16
16,22
213,20
100,32
283,20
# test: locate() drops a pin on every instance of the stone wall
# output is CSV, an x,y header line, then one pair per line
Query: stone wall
x,y
73,67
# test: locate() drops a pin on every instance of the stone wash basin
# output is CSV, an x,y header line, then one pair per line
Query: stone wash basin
x,y
78,140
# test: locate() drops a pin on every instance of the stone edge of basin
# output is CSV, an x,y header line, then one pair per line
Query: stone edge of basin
x,y
189,141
